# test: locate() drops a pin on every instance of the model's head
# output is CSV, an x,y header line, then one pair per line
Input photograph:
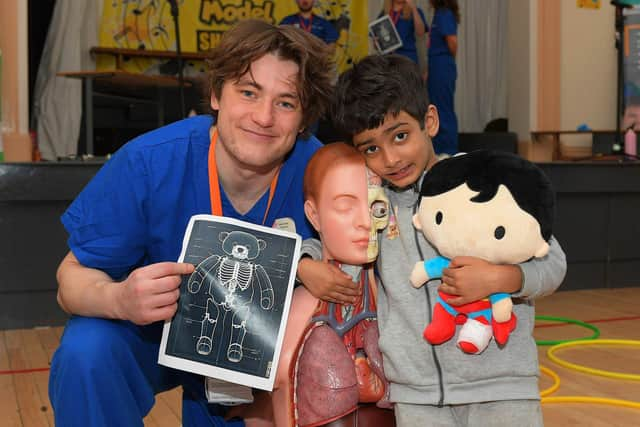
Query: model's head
x,y
251,40
342,204
381,105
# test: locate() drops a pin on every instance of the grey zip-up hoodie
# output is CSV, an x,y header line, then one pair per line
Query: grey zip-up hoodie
x,y
443,374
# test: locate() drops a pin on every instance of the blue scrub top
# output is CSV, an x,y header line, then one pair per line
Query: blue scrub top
x,y
320,27
136,209
407,32
443,24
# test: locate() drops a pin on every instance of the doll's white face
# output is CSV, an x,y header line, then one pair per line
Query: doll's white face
x,y
498,231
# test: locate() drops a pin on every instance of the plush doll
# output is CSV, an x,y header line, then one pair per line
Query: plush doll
x,y
490,205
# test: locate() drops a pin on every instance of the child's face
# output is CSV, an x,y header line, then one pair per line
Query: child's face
x,y
398,150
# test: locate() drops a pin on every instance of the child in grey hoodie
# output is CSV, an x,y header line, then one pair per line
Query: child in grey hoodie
x,y
382,108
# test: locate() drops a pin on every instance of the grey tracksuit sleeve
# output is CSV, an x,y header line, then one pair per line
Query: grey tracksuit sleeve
x,y
542,276
311,247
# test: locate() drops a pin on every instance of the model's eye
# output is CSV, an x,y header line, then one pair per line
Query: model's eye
x,y
439,218
499,232
379,209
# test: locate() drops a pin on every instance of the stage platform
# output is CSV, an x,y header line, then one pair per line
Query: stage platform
x,y
598,225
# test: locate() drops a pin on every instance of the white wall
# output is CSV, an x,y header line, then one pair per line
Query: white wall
x,y
588,68
521,67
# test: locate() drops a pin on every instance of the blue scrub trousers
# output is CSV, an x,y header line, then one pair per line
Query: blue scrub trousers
x,y
441,84
106,373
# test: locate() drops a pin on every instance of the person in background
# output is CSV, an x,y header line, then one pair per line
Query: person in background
x,y
409,22
311,23
442,72
120,282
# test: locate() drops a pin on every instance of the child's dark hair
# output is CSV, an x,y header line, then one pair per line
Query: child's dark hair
x,y
484,171
374,87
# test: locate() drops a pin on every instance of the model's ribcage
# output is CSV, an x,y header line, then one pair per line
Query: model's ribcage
x,y
234,274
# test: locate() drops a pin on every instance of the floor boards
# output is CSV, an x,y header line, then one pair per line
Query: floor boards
x,y
616,312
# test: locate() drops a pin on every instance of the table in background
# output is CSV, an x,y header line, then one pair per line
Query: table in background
x,y
121,80
602,141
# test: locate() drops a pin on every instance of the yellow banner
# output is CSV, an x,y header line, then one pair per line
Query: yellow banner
x,y
588,4
148,24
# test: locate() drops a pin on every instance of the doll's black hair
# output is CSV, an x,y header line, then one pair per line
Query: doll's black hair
x,y
485,170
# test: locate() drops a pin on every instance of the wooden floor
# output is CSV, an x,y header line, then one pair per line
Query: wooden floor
x,y
24,401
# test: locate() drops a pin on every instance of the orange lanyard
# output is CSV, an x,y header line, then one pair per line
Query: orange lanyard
x,y
214,186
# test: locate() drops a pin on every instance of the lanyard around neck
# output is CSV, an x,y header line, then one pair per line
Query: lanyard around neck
x,y
395,16
305,27
214,185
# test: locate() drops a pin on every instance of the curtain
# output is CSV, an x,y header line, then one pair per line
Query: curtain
x,y
58,100
481,90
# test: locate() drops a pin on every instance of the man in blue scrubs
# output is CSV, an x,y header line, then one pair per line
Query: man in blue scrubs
x,y
120,280
311,23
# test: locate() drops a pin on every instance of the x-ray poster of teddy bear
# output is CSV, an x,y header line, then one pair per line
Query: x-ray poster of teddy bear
x,y
233,308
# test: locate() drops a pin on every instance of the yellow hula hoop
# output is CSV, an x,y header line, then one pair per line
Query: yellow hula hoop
x,y
610,374
556,381
588,399
579,399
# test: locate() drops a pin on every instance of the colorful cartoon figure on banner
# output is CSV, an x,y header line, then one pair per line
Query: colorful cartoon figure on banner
x,y
348,43
149,25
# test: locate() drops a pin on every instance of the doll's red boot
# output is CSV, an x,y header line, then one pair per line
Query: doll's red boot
x,y
441,328
502,330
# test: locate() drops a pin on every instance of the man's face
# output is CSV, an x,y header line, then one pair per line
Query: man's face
x,y
259,116
398,150
342,215
305,5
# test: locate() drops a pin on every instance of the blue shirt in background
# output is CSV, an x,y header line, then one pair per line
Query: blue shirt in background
x,y
443,24
407,32
317,26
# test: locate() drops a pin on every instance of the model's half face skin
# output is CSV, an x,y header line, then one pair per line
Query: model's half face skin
x,y
340,213
399,151
497,230
260,115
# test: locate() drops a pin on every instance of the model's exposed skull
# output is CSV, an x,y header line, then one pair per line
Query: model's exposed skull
x,y
378,210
